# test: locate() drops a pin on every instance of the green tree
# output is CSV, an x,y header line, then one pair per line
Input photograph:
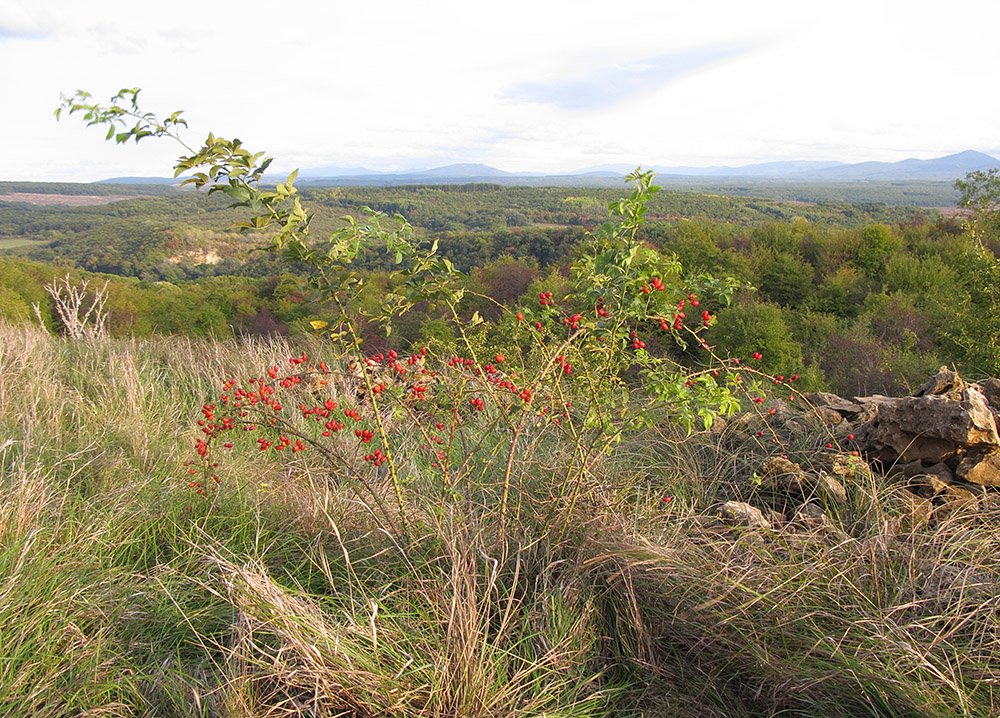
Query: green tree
x,y
876,244
743,329
980,193
784,279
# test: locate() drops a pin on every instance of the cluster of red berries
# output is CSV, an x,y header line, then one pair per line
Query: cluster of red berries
x,y
657,285
319,413
572,321
378,458
493,376
545,299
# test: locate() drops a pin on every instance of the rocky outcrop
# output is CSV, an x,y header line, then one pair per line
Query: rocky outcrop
x,y
938,449
946,427
845,409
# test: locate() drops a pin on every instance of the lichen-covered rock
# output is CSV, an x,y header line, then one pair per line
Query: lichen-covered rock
x,y
739,512
825,400
826,416
850,470
980,468
930,427
945,382
780,475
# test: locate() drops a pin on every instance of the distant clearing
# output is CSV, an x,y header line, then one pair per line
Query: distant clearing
x,y
20,242
67,200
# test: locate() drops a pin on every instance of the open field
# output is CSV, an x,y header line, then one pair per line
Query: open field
x,y
64,200
123,593
16,242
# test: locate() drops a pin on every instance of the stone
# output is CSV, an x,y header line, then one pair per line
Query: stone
x,y
831,490
990,390
930,427
783,476
795,428
826,400
785,483
909,470
933,482
827,416
811,516
743,513
745,424
941,472
850,469
946,382
982,469
783,412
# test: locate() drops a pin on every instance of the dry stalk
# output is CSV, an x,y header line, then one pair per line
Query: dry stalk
x,y
80,315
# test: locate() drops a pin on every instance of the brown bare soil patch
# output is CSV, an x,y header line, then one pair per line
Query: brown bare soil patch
x,y
949,212
66,200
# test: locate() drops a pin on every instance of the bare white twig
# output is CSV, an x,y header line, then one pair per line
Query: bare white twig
x,y
80,315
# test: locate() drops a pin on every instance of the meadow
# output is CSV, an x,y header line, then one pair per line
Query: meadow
x,y
122,592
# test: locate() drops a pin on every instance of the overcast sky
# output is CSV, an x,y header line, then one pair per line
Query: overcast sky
x,y
535,85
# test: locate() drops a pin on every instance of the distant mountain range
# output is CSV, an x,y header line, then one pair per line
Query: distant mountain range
x,y
948,168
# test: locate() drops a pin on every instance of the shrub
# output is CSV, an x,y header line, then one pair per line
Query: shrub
x,y
13,309
874,246
746,330
784,279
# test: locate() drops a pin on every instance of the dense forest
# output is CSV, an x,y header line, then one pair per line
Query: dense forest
x,y
858,298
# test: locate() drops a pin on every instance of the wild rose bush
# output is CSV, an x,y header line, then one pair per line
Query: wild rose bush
x,y
547,390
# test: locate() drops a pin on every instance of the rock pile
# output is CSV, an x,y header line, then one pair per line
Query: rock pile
x,y
939,448
947,430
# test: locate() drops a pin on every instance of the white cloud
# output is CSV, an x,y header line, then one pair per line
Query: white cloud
x,y
400,84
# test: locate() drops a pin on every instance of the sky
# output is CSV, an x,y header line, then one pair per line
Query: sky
x,y
540,85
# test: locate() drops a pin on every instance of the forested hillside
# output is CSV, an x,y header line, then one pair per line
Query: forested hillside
x,y
854,297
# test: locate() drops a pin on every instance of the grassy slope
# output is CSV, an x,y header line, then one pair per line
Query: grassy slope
x,y
120,594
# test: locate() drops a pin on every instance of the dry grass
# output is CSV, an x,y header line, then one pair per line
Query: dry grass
x,y
289,594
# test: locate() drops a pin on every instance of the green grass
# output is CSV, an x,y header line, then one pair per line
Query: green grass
x,y
122,593
16,243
